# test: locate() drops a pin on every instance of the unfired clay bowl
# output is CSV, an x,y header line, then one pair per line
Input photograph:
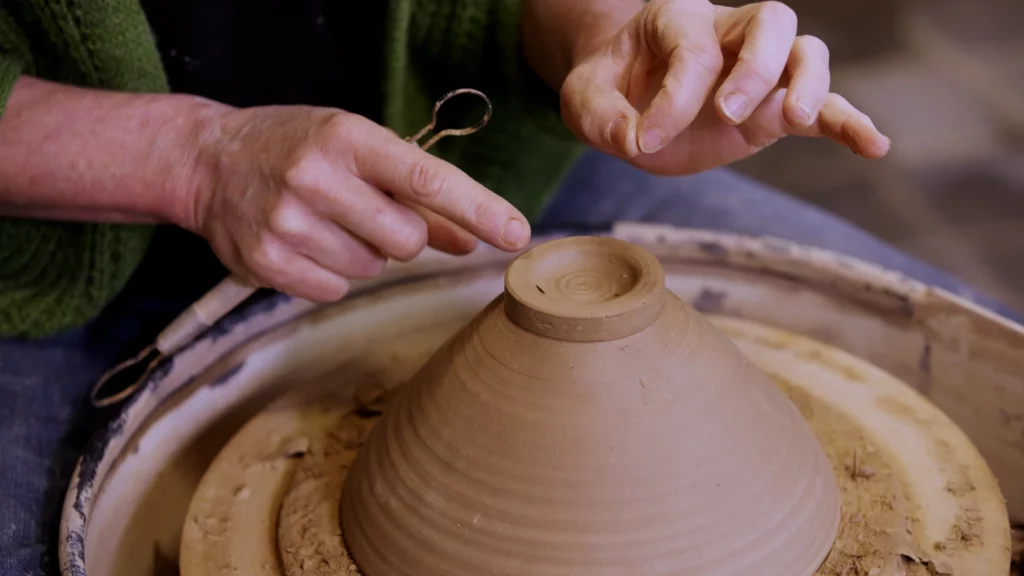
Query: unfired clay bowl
x,y
589,422
263,418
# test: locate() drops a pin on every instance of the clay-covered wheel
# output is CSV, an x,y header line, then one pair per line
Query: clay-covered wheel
x,y
916,496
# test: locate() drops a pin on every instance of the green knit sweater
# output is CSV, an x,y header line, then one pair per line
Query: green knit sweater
x,y
57,275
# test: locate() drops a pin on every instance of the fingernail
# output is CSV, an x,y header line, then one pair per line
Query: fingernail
x,y
515,233
734,106
806,117
651,140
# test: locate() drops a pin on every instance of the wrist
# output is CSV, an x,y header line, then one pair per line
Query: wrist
x,y
559,34
80,154
192,165
605,20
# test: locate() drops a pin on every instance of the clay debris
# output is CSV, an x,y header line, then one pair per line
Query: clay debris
x,y
876,533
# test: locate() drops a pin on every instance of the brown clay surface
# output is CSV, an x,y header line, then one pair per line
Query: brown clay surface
x,y
308,526
934,475
877,536
875,532
588,422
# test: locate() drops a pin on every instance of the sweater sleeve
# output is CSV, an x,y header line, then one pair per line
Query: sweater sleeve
x,y
15,58
442,45
57,275
10,69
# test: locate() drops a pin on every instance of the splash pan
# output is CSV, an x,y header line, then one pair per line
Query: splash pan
x,y
256,424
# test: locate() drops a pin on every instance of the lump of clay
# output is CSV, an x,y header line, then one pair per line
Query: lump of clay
x,y
588,422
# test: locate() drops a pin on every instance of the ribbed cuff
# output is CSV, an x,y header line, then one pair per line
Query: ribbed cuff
x,y
10,70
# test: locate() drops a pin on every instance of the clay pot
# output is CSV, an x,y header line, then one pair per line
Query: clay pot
x,y
589,422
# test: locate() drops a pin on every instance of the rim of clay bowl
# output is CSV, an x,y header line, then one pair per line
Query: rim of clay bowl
x,y
855,279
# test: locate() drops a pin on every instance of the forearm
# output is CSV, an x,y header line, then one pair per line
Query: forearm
x,y
557,34
69,153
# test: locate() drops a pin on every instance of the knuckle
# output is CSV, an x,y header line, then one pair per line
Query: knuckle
x,y
778,12
266,258
367,266
587,125
814,44
286,223
302,169
346,131
568,99
578,106
426,182
485,215
345,126
758,74
343,132
408,247
859,117
333,290
407,242
709,58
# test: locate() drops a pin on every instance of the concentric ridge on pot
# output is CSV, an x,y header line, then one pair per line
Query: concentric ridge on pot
x,y
588,422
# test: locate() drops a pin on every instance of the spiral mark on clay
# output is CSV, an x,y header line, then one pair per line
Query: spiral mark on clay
x,y
587,287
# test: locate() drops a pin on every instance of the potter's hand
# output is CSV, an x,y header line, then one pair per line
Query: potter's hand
x,y
685,86
304,199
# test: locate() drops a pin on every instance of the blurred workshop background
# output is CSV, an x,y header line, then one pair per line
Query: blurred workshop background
x,y
945,80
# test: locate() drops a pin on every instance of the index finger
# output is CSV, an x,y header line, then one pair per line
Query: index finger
x,y
412,175
683,34
763,34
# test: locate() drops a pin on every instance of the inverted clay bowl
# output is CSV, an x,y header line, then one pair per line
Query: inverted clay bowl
x,y
589,422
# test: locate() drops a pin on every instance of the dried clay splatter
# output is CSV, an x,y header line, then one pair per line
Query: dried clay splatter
x,y
876,531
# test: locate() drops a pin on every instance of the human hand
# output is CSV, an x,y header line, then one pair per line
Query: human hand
x,y
305,199
686,86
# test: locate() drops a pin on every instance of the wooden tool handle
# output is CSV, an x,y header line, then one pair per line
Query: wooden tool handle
x,y
223,298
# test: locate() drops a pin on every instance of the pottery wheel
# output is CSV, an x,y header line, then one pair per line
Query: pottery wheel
x,y
916,497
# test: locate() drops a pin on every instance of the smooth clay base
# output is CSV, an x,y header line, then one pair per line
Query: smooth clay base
x,y
916,504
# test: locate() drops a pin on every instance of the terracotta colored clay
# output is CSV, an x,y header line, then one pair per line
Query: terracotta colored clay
x,y
916,497
588,422
884,360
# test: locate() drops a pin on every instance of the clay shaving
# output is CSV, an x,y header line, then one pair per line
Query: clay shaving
x,y
310,541
876,528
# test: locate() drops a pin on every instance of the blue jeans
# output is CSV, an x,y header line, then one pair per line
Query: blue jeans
x,y
45,419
